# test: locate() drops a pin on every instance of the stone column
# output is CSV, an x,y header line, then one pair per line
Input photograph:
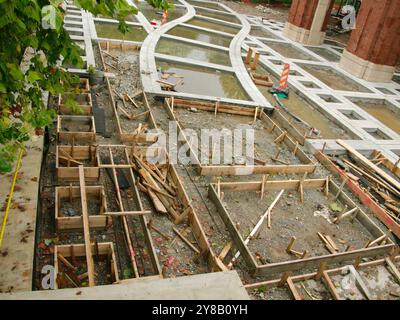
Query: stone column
x,y
374,45
308,20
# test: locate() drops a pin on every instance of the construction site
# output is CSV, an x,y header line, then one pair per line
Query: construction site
x,y
225,150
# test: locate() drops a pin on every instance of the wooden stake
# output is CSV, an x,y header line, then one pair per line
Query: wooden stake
x,y
249,55
321,269
255,115
291,244
255,61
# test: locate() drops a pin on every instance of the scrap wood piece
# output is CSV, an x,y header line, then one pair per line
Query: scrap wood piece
x,y
346,214
183,215
290,250
127,96
257,228
393,269
378,240
370,165
186,240
225,251
151,226
328,245
69,161
66,262
70,157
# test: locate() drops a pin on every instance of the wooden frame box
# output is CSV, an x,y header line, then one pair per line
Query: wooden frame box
x,y
66,194
72,251
84,101
73,135
306,166
294,265
76,155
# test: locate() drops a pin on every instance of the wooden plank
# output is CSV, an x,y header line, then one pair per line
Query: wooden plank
x,y
234,233
331,286
293,289
360,282
314,262
271,185
86,229
393,269
225,170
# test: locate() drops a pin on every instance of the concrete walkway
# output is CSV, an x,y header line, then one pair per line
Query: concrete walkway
x,y
209,286
18,247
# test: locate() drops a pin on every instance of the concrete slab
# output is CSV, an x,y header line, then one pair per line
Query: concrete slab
x,y
209,286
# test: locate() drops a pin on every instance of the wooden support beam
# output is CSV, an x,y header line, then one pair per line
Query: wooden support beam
x,y
321,269
293,289
86,228
393,269
359,280
331,286
284,278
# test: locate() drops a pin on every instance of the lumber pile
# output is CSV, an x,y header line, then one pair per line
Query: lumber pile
x,y
157,182
381,186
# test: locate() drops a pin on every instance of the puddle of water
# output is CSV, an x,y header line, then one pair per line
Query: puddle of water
x,y
333,78
220,16
382,111
198,35
110,30
206,5
213,26
261,32
204,81
131,17
155,14
185,50
303,110
325,53
288,51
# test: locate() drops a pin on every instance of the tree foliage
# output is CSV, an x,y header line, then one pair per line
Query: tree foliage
x,y
33,59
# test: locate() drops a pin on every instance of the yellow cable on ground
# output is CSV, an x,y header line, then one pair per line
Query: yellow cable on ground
x,y
3,226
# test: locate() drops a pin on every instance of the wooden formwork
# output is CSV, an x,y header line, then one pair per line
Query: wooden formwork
x,y
323,274
72,136
373,205
106,45
308,165
83,101
123,213
328,186
188,214
67,194
146,115
70,252
69,157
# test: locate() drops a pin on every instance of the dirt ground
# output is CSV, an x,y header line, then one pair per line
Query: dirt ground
x,y
264,148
